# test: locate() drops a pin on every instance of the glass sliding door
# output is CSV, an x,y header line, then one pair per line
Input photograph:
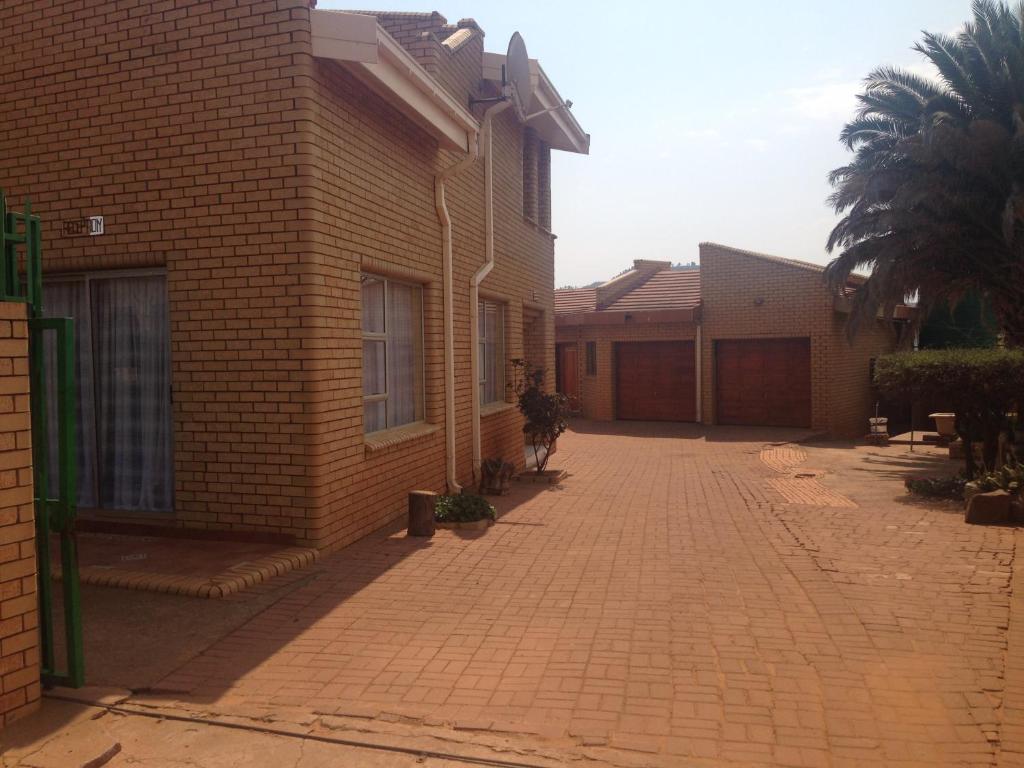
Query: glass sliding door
x,y
123,361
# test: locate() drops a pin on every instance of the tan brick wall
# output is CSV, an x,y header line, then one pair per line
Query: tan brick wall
x,y
264,180
747,296
377,213
597,393
852,398
19,634
182,124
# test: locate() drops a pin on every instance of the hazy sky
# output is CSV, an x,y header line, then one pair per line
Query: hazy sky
x,y
708,121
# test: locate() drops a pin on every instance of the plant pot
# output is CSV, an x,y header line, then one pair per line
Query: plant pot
x,y
548,476
473,525
945,424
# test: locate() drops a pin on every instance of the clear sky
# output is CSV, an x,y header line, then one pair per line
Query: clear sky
x,y
708,121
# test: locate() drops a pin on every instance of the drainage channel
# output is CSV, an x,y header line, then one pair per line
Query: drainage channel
x,y
342,742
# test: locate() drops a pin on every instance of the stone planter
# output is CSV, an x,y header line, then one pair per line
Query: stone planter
x,y
547,477
945,425
878,431
988,508
475,525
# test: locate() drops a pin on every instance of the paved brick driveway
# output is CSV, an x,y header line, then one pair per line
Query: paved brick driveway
x,y
684,594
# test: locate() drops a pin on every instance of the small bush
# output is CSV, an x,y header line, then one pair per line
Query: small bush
x,y
937,487
464,508
546,413
1010,478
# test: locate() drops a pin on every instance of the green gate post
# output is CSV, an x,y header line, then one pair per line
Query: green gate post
x,y
52,515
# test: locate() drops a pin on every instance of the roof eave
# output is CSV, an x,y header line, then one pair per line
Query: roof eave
x,y
362,46
633,317
554,122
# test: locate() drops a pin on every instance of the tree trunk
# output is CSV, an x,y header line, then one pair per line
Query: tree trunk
x,y
421,513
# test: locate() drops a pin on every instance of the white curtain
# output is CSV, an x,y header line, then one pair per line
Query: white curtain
x,y
374,358
492,353
392,353
403,333
122,366
133,384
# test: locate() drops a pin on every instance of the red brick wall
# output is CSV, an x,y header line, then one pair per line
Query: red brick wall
x,y
264,180
19,635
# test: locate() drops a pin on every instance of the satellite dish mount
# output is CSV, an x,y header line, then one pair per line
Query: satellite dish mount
x,y
515,78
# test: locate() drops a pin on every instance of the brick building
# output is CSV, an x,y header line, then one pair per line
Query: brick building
x,y
317,251
744,338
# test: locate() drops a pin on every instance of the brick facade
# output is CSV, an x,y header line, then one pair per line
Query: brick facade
x,y
744,295
19,635
263,180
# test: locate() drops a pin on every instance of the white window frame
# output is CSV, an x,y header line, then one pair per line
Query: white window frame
x,y
386,337
484,341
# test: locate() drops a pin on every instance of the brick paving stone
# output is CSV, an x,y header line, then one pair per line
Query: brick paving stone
x,y
665,600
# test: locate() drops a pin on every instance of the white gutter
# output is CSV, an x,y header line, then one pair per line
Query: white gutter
x,y
486,134
449,312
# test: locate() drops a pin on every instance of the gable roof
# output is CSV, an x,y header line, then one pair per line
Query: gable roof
x,y
575,300
673,288
669,288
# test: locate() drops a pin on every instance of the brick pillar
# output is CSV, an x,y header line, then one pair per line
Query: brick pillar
x,y
19,620
544,186
530,148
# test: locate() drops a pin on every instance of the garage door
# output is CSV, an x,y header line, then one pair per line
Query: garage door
x,y
654,381
764,382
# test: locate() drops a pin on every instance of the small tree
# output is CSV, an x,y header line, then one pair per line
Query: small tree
x,y
981,385
546,413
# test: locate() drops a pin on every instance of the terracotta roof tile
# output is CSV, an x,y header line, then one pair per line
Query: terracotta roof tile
x,y
674,288
575,300
668,289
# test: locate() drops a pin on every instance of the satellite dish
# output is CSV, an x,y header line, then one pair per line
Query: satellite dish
x,y
517,75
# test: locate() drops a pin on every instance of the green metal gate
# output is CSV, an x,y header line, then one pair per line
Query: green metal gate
x,y
21,247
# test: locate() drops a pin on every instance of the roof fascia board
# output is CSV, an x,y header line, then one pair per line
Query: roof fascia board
x,y
568,127
377,59
557,127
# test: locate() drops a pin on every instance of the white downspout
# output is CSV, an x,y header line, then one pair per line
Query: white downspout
x,y
486,134
449,312
699,352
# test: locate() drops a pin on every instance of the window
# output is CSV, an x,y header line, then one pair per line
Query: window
x,y
591,358
392,353
491,322
536,179
123,370
530,174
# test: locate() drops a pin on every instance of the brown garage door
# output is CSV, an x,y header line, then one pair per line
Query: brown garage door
x,y
764,382
654,381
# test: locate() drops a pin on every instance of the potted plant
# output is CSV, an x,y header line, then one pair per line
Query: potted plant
x,y
463,511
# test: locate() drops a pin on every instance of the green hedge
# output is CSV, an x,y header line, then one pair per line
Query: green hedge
x,y
982,385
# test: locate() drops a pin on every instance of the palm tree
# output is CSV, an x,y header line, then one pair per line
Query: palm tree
x,y
932,202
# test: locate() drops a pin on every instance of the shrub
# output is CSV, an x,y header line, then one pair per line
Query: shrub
x,y
937,487
1009,477
547,413
463,508
981,385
